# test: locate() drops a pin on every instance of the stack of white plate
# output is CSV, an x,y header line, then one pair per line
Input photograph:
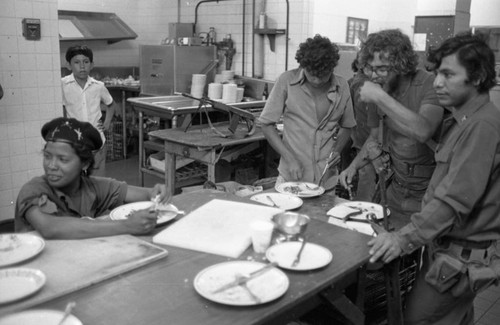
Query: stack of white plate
x,y
198,85
218,78
215,90
227,76
229,93
239,94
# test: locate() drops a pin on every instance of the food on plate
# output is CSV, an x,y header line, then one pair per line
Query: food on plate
x,y
163,209
9,243
168,208
292,189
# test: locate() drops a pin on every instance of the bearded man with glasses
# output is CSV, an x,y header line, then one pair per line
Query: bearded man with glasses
x,y
405,115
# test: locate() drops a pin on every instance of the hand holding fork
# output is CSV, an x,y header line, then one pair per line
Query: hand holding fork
x,y
330,161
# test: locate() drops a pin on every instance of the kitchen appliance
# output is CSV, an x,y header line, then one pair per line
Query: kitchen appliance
x,y
176,30
168,69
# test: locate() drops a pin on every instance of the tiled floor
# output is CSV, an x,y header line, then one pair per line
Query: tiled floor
x,y
487,304
487,307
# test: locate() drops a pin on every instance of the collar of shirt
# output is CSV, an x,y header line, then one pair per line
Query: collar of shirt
x,y
301,78
470,108
404,83
72,203
71,79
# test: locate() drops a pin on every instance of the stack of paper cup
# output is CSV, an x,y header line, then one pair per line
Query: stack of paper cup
x,y
229,93
227,75
198,85
215,90
239,94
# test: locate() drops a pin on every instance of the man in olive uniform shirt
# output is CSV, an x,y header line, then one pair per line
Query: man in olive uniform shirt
x,y
459,222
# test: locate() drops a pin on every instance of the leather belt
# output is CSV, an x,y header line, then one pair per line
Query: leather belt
x,y
413,169
472,251
465,243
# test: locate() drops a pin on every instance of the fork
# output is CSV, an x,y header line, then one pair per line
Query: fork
x,y
299,254
312,188
252,295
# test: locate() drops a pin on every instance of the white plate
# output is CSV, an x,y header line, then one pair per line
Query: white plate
x,y
361,227
303,189
123,211
268,286
39,317
283,201
313,256
341,210
18,283
15,248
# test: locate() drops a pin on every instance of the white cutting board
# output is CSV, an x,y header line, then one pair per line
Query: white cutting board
x,y
218,227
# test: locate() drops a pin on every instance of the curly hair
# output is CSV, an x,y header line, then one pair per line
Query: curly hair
x,y
79,49
318,55
394,46
474,55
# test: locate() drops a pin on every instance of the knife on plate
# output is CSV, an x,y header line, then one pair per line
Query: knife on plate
x,y
242,279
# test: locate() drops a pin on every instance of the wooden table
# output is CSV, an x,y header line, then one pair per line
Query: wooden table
x,y
202,144
162,292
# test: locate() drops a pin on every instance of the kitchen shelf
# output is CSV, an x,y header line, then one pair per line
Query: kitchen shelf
x,y
194,173
271,35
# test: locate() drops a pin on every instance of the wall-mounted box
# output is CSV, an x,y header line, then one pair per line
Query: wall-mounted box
x,y
32,29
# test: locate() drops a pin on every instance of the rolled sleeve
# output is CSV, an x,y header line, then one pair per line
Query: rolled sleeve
x,y
275,105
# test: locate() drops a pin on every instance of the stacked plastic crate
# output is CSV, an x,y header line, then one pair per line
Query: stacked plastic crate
x,y
114,141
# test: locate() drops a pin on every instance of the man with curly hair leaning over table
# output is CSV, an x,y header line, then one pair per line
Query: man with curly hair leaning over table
x,y
317,115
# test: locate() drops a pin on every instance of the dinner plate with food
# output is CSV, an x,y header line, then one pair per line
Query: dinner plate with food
x,y
300,189
312,256
222,283
39,316
19,283
16,248
356,211
278,200
166,212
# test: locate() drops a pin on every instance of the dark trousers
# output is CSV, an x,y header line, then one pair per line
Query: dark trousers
x,y
426,305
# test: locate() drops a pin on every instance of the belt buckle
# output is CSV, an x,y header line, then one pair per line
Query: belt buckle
x,y
410,168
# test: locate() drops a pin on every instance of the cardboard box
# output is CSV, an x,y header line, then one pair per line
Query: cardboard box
x,y
157,162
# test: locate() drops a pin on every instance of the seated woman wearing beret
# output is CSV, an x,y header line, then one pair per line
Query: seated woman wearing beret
x,y
65,202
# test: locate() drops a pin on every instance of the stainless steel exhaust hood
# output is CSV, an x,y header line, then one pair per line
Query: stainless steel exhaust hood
x,y
90,26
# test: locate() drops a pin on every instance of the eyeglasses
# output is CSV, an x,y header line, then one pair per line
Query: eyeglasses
x,y
380,70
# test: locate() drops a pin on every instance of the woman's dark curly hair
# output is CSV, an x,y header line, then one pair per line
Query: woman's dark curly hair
x,y
395,47
86,156
474,55
318,56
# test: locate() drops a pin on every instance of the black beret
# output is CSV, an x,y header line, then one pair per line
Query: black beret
x,y
72,131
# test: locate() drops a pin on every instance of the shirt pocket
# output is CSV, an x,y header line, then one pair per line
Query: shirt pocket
x,y
443,156
330,127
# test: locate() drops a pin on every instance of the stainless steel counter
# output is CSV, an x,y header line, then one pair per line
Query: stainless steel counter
x,y
170,107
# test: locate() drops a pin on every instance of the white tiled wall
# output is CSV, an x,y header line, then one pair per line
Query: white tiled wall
x,y
149,19
30,77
